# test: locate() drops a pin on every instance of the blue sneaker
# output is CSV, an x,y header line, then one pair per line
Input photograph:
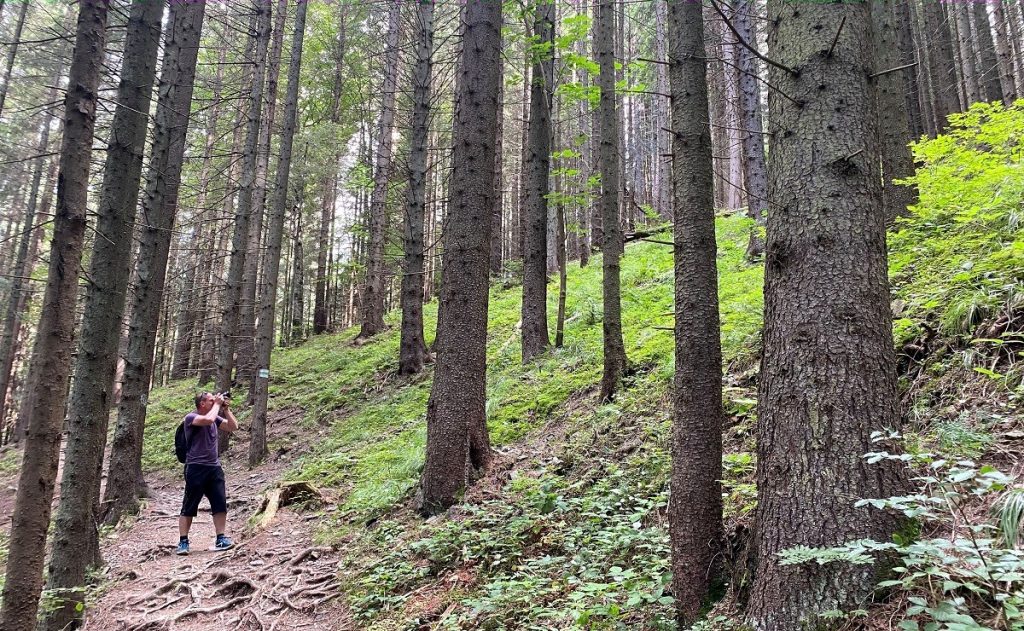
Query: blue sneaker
x,y
182,548
223,543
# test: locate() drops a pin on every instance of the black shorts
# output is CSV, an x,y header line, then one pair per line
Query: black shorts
x,y
200,480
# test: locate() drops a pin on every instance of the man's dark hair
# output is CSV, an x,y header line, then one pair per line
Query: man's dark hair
x,y
199,398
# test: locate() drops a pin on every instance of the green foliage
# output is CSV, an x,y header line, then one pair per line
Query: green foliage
x,y
956,257
961,581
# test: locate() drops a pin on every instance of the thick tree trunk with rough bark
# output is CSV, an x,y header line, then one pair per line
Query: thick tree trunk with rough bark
x,y
373,292
695,509
961,13
413,352
76,537
988,69
457,441
828,366
231,295
755,174
159,206
51,357
893,123
611,233
537,163
272,254
329,187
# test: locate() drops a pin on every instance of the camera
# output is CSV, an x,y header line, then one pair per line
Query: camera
x,y
226,395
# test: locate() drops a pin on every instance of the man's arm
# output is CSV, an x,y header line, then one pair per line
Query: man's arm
x,y
230,423
210,417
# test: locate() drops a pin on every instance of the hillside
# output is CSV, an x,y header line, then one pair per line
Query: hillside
x,y
568,529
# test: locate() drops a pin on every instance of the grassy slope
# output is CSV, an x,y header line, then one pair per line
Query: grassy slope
x,y
570,532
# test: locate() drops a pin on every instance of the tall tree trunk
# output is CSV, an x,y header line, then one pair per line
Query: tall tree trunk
x,y
893,123
988,75
497,225
611,245
330,186
76,538
51,357
159,207
662,175
197,271
695,510
373,294
240,237
755,175
457,440
245,349
828,365
298,286
413,348
16,299
272,254
967,60
536,185
908,48
518,224
942,62
1004,53
12,52
562,274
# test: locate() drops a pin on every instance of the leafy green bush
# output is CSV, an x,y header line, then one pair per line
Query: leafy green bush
x,y
956,258
965,578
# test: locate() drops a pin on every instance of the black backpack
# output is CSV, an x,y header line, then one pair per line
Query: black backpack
x,y
181,443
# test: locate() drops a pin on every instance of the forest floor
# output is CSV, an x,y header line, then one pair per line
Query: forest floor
x,y
276,576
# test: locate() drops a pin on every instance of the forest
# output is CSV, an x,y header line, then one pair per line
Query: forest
x,y
512,314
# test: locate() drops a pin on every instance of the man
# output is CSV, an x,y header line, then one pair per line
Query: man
x,y
203,473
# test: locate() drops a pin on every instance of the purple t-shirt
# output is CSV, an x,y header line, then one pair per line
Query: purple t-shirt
x,y
202,441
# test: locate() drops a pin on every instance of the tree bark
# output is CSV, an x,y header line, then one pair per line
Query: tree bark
x,y
272,254
457,440
17,298
828,365
908,57
159,207
611,245
755,175
51,357
240,236
695,509
893,122
76,538
297,289
942,70
413,352
988,69
967,58
330,186
245,349
535,338
373,293
662,175
1004,53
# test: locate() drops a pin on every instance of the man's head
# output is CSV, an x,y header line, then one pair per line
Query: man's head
x,y
204,401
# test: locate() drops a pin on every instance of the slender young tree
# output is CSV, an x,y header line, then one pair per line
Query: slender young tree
x,y
159,207
12,53
695,509
373,292
330,185
828,374
76,537
457,440
755,175
272,254
51,357
537,163
413,351
611,246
